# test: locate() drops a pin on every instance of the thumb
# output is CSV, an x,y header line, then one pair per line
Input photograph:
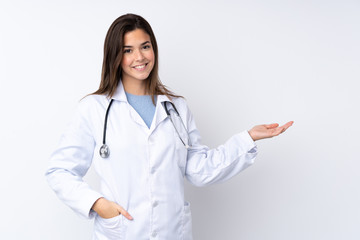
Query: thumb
x,y
124,212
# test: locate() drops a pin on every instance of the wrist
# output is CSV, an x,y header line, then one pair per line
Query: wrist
x,y
252,135
97,204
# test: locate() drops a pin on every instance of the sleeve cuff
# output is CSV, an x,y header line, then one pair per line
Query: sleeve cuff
x,y
246,141
90,200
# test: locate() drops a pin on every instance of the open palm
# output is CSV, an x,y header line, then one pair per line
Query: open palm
x,y
268,130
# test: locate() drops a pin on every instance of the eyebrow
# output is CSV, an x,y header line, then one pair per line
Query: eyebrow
x,y
140,44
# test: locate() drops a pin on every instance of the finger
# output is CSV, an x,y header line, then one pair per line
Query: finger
x,y
272,125
277,131
125,213
284,127
287,125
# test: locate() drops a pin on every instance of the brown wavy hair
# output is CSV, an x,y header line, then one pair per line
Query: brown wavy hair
x,y
113,53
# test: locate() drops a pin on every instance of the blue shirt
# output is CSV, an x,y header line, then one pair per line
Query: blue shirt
x,y
143,105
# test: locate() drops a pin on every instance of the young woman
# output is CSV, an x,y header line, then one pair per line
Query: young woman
x,y
148,145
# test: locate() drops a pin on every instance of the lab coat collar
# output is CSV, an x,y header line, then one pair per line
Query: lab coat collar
x,y
163,98
121,96
160,113
120,93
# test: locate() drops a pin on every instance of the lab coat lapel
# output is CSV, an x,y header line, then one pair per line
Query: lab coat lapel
x,y
160,113
121,96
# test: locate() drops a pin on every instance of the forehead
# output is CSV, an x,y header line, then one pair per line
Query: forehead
x,y
136,37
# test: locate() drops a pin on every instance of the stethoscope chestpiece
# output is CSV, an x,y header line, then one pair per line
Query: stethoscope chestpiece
x,y
104,151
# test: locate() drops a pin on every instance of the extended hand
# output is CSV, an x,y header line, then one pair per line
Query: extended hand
x,y
109,209
268,130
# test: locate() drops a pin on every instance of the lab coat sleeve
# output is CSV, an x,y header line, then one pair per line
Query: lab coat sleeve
x,y
70,162
208,166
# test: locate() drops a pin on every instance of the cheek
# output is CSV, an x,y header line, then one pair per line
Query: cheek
x,y
125,62
150,56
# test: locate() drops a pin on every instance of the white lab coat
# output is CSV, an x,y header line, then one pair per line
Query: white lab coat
x,y
145,170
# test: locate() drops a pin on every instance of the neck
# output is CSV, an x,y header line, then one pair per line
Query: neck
x,y
135,87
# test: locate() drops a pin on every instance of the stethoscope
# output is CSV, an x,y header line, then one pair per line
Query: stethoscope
x,y
104,149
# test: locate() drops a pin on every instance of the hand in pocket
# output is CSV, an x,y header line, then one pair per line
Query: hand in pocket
x,y
109,209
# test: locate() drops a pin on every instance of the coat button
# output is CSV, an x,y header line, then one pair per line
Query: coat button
x,y
154,234
155,203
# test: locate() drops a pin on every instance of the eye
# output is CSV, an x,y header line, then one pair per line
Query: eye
x,y
146,47
127,51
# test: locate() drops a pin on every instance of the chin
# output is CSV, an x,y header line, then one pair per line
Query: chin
x,y
143,77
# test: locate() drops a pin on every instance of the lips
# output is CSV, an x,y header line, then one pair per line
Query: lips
x,y
140,67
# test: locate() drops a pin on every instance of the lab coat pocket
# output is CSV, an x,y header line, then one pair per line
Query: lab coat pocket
x,y
187,222
109,228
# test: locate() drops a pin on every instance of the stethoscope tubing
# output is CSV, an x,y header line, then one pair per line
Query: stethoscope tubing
x,y
104,149
106,117
182,122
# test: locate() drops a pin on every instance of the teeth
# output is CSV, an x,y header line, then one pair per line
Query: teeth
x,y
139,67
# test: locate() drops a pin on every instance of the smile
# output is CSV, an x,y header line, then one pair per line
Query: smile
x,y
140,67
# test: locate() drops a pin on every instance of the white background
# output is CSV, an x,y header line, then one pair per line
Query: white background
x,y
238,63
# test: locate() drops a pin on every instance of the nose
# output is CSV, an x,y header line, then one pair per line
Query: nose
x,y
139,56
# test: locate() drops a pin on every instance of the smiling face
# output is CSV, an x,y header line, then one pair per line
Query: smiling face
x,y
138,56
